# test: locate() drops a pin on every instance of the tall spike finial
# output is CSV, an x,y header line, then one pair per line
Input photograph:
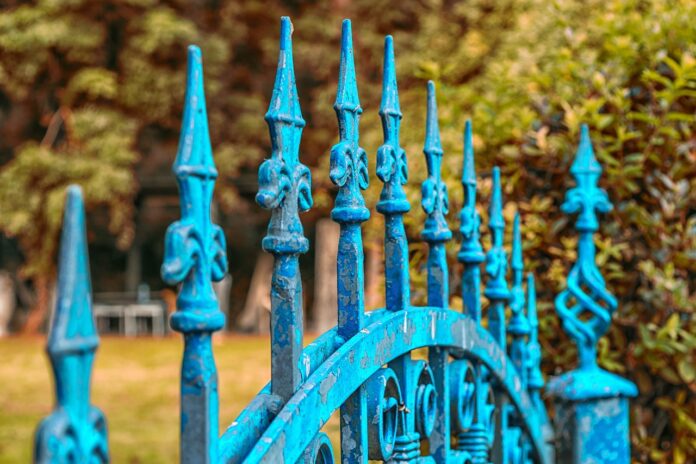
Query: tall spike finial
x,y
469,167
195,255
471,251
285,187
473,439
348,171
392,169
435,200
433,146
435,203
76,427
586,306
348,168
518,326
496,264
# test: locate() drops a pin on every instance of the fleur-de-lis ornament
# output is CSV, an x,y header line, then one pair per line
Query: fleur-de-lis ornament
x,y
392,169
471,251
195,248
585,307
348,163
76,430
435,200
285,187
285,184
435,203
195,255
518,327
496,264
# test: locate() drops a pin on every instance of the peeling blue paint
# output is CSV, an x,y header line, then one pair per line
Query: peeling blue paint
x,y
196,255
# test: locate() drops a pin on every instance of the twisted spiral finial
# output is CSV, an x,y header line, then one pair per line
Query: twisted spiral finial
x,y
585,306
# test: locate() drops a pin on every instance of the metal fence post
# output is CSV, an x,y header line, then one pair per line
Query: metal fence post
x,y
592,423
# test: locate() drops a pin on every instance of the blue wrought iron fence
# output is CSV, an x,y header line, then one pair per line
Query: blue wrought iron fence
x,y
477,398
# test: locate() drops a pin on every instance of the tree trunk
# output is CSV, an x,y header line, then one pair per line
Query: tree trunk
x,y
39,312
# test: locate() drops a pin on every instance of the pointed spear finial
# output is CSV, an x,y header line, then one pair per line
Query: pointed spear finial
x,y
518,323
390,94
518,327
471,251
468,168
586,198
495,211
73,324
284,108
347,96
285,188
285,184
435,203
195,255
195,154
433,146
348,163
585,159
496,264
392,168
75,428
435,199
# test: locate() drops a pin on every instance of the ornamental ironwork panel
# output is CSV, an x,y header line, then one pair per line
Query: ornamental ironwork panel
x,y
410,384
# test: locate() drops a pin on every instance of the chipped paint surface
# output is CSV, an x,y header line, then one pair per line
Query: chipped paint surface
x,y
348,171
285,187
310,408
195,256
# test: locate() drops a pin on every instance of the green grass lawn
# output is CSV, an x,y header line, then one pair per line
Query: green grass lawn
x,y
135,382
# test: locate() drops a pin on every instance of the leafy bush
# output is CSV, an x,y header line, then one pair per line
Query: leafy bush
x,y
628,69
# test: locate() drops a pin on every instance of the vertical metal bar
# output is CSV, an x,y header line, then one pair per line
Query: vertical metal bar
x,y
392,169
436,233
348,171
475,439
535,379
75,428
195,254
285,187
496,265
518,326
498,294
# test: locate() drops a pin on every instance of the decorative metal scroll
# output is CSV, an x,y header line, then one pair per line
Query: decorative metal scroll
x,y
473,400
